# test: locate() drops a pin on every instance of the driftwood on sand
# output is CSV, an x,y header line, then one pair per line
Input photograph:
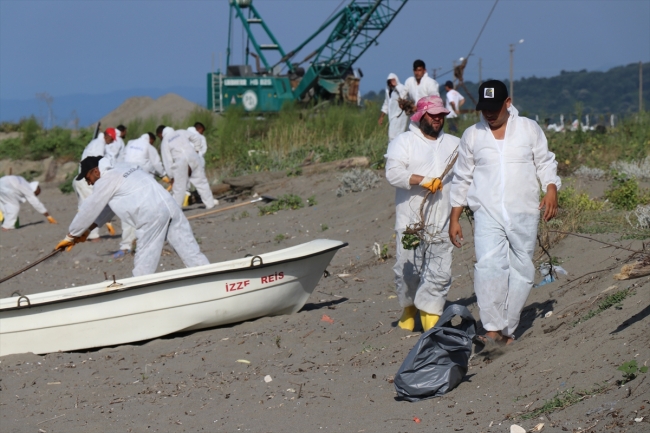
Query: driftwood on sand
x,y
637,269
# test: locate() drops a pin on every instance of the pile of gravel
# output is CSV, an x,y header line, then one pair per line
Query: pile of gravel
x,y
357,180
590,173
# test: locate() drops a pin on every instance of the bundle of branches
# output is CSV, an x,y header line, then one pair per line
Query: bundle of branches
x,y
406,105
417,233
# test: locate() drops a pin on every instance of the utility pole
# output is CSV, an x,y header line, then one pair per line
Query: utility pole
x,y
480,71
640,87
512,58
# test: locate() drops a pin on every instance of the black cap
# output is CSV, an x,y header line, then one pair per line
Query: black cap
x,y
88,164
449,84
491,95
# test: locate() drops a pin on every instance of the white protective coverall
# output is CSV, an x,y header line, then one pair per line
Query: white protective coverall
x,y
398,120
177,154
141,153
199,142
423,275
15,190
500,184
96,147
427,87
115,149
137,199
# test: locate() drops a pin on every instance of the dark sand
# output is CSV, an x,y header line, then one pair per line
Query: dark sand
x,y
326,377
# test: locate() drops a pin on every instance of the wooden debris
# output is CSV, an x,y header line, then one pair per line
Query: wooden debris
x,y
638,269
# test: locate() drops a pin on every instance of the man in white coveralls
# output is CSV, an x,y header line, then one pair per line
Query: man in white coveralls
x,y
415,161
137,199
97,147
141,153
182,162
500,160
421,84
15,190
397,118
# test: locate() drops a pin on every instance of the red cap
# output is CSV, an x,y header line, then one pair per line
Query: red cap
x,y
111,132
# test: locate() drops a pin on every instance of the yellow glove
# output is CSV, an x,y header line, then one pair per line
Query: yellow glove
x,y
166,179
111,230
432,184
51,220
67,243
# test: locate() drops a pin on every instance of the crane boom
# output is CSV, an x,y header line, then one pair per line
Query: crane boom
x,y
360,24
354,29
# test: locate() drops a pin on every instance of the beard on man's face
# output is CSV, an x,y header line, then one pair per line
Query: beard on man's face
x,y
429,129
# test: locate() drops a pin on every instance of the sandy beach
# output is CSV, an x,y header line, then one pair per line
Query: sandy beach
x,y
325,376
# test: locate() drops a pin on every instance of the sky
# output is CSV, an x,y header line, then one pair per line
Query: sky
x,y
66,47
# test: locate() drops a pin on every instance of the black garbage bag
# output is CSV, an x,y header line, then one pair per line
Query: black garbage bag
x,y
439,360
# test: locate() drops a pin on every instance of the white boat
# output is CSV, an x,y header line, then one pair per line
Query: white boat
x,y
146,307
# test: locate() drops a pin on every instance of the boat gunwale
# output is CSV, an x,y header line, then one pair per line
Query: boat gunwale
x,y
187,277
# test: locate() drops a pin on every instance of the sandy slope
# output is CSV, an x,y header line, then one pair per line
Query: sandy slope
x,y
326,377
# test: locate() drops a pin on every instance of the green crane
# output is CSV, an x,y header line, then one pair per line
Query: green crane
x,y
329,68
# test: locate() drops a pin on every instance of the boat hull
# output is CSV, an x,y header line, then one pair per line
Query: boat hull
x,y
130,311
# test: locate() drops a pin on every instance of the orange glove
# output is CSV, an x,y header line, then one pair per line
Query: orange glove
x,y
51,219
111,230
67,243
432,184
166,179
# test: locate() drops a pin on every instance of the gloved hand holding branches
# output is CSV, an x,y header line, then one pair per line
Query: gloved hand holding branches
x,y
433,184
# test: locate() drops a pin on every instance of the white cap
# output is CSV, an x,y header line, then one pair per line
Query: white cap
x,y
33,186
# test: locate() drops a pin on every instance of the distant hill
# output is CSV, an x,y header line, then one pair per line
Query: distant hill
x,y
600,93
88,109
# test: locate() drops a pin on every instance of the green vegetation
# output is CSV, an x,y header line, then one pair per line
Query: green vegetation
x,y
629,141
564,399
384,252
579,213
279,238
323,227
601,93
613,300
311,201
287,201
38,143
66,186
30,175
410,241
630,371
240,143
625,193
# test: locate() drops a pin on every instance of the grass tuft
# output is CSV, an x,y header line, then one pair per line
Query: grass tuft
x,y
613,300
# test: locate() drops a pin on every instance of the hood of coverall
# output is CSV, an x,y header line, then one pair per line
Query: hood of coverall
x,y
167,130
33,186
391,76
